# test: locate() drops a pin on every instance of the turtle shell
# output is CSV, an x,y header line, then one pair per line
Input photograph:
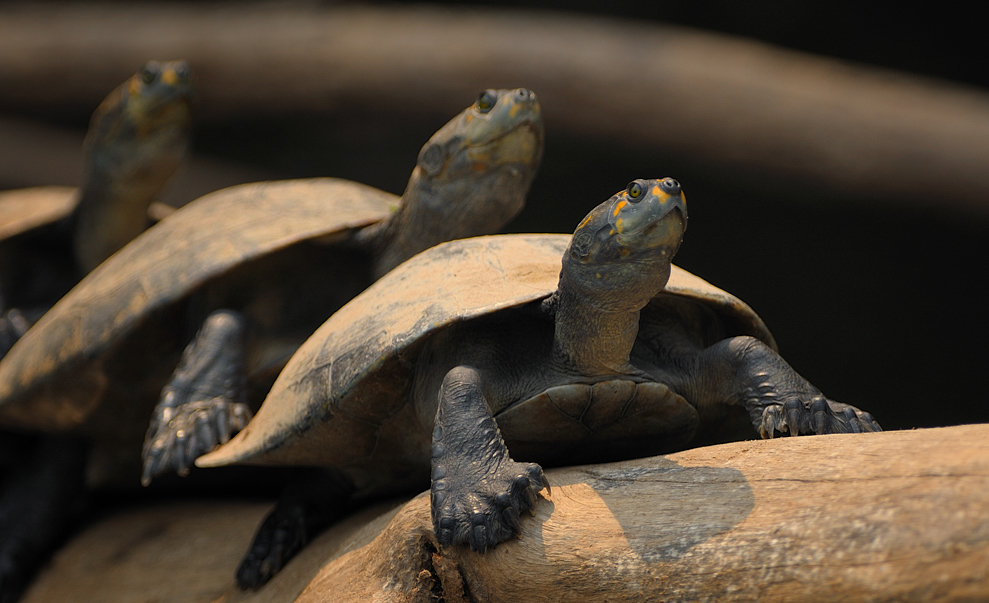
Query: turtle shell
x,y
55,376
28,209
355,372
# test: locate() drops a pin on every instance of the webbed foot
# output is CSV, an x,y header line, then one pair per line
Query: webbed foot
x,y
309,503
202,405
815,416
178,435
478,491
485,513
281,535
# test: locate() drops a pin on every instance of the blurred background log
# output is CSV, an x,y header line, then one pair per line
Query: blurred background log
x,y
727,99
898,516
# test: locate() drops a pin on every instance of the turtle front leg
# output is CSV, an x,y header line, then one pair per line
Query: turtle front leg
x,y
203,404
779,401
478,491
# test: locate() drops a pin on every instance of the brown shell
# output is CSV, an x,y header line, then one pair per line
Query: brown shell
x,y
328,397
25,209
163,266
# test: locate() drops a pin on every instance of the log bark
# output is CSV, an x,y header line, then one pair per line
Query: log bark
x,y
836,125
892,516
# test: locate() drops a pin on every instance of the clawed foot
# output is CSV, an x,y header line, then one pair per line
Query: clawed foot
x,y
485,513
819,416
179,435
281,535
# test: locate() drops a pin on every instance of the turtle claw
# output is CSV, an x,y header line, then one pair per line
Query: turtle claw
x,y
282,534
485,513
177,436
819,416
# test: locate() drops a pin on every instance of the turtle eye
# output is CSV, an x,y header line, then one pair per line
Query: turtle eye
x,y
634,190
149,74
485,101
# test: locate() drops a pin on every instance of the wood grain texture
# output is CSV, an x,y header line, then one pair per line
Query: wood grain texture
x,y
898,516
726,99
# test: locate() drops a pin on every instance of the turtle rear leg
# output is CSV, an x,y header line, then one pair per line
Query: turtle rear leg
x,y
203,404
779,401
478,491
312,500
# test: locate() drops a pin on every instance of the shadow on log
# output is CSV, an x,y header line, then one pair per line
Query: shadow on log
x,y
889,516
727,99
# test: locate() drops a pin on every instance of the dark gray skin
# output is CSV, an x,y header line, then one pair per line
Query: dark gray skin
x,y
137,139
642,375
471,178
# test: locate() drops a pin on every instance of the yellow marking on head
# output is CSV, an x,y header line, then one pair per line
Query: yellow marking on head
x,y
469,117
618,225
170,77
619,206
659,194
135,86
585,221
516,107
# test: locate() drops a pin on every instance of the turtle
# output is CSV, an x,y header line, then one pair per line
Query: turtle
x,y
487,345
50,236
255,268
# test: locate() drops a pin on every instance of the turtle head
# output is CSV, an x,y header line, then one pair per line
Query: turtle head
x,y
471,177
153,101
159,94
621,253
138,137
475,171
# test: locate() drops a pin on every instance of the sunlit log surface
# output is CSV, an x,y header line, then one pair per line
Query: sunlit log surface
x,y
718,97
898,516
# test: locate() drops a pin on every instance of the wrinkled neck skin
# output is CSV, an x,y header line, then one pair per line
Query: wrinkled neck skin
x,y
122,179
434,211
595,330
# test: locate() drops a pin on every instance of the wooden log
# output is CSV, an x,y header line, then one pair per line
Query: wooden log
x,y
839,126
891,516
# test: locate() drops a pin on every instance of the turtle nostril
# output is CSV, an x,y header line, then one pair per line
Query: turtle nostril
x,y
670,186
523,94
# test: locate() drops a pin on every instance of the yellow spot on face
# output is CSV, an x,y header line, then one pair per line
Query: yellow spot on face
x,y
170,77
656,192
135,86
585,221
619,206
618,225
514,110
